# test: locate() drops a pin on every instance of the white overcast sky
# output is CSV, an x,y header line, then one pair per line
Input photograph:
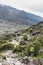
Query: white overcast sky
x,y
27,5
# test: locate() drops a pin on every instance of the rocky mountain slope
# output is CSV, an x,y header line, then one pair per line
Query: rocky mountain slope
x,y
24,47
12,19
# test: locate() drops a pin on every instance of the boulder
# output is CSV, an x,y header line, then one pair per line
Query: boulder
x,y
25,60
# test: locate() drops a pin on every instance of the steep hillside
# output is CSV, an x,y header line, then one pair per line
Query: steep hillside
x,y
35,29
31,41
25,46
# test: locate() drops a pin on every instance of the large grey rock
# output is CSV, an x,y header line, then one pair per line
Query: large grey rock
x,y
25,60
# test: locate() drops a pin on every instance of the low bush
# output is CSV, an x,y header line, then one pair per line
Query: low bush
x,y
25,36
17,49
2,41
22,42
34,48
6,46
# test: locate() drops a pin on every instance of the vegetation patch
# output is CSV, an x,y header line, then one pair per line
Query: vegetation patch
x,y
6,46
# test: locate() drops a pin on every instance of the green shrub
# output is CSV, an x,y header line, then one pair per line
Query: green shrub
x,y
2,41
6,46
26,51
33,47
22,42
25,36
17,49
7,36
31,30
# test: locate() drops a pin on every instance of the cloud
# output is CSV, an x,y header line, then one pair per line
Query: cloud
x,y
21,4
26,5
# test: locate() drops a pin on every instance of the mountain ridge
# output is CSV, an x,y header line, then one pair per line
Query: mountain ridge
x,y
13,20
20,17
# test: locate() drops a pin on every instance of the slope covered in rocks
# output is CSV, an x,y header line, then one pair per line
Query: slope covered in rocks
x,y
24,47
